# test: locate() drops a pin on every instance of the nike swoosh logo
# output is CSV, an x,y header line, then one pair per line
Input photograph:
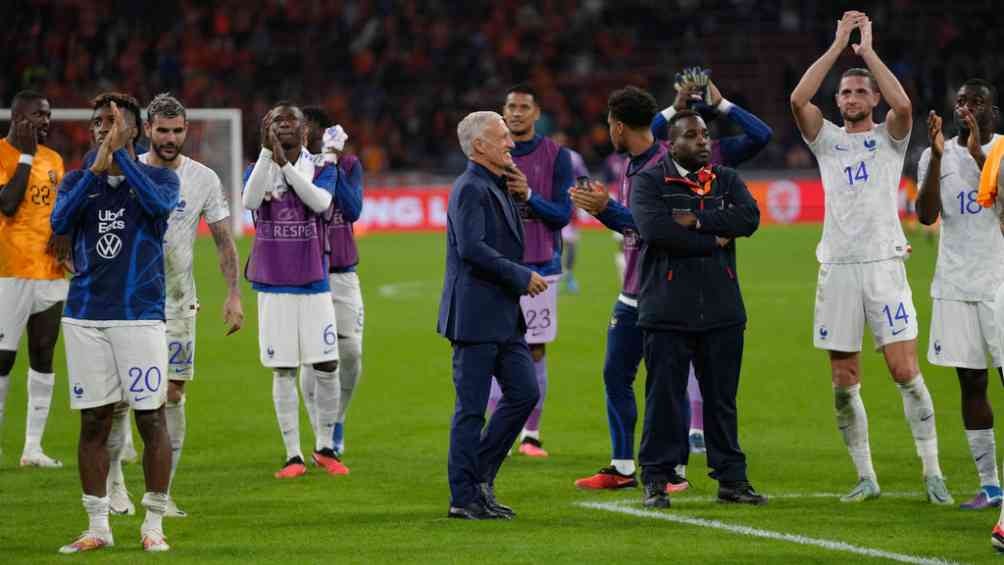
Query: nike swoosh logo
x,y
926,418
980,457
841,148
945,176
141,398
95,195
899,331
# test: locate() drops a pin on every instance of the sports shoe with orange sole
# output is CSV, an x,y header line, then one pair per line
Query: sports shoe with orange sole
x,y
88,541
327,459
607,478
154,541
676,483
292,469
532,448
997,538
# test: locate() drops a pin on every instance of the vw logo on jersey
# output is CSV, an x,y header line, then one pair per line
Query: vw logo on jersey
x,y
181,206
823,332
109,246
870,144
78,391
937,348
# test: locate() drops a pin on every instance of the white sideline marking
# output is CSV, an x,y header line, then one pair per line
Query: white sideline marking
x,y
405,289
831,545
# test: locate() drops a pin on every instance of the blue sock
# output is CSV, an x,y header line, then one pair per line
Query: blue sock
x,y
338,437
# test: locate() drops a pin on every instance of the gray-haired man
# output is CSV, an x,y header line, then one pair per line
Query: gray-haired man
x,y
479,313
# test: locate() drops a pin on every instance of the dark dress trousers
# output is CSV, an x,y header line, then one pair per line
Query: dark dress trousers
x,y
479,313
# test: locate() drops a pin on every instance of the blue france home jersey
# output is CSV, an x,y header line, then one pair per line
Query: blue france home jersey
x,y
117,235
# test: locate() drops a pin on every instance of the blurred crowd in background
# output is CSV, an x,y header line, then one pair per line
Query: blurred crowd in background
x,y
398,75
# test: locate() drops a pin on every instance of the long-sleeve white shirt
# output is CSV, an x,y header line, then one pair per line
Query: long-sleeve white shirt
x,y
268,177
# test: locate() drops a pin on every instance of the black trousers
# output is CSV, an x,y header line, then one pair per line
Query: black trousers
x,y
717,357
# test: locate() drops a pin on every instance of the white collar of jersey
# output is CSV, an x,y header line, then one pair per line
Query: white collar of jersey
x,y
683,172
114,181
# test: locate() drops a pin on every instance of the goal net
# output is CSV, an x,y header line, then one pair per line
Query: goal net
x,y
214,139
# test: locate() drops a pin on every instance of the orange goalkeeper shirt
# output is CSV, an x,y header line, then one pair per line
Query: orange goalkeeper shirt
x,y
24,236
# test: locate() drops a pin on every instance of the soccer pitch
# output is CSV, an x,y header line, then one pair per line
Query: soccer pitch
x,y
392,507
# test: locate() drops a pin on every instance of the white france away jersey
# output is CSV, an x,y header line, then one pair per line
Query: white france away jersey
x,y
971,251
860,174
201,195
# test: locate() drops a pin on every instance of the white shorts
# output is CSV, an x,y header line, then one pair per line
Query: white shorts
x,y
296,329
181,348
348,302
963,334
849,294
22,298
116,364
541,313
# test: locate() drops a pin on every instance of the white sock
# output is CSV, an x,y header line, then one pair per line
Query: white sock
x,y
116,442
681,470
852,421
174,413
623,466
156,505
350,368
287,410
308,388
919,411
97,513
534,434
39,401
4,384
328,391
984,449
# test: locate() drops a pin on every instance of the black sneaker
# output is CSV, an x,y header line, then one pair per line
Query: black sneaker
x,y
655,495
473,511
740,492
488,497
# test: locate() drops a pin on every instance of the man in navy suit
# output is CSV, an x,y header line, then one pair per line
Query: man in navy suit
x,y
479,313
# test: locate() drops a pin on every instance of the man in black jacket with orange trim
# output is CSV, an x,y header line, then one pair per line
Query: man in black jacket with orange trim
x,y
691,309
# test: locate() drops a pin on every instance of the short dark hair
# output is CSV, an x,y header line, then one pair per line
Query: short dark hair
x,y
123,101
633,106
861,72
522,88
165,106
688,113
26,96
981,83
317,115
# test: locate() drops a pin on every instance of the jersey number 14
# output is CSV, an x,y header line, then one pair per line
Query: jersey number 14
x,y
856,174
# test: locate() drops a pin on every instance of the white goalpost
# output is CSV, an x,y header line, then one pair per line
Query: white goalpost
x,y
214,138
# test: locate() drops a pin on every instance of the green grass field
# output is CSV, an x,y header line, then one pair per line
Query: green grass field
x,y
392,507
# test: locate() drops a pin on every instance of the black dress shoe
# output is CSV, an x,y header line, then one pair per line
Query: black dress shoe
x,y
473,511
488,497
655,495
740,492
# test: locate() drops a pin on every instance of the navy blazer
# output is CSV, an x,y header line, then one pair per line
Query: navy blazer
x,y
485,276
